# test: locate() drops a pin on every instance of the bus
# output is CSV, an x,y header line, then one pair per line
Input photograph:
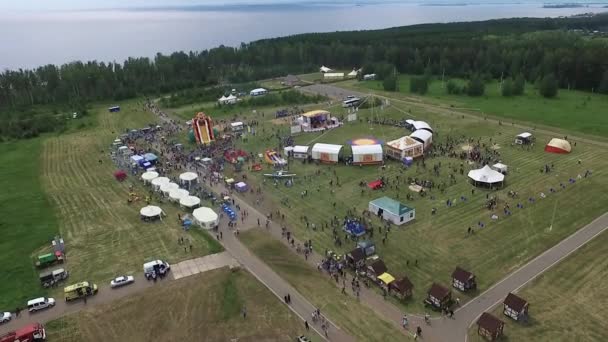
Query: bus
x,y
79,290
351,102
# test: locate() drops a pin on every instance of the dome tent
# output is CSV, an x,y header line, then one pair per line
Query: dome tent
x,y
558,146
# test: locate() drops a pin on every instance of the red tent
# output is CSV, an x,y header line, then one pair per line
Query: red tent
x,y
120,175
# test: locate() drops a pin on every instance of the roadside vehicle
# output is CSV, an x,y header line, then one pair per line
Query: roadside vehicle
x,y
5,317
79,290
29,333
40,304
122,281
49,259
50,278
156,268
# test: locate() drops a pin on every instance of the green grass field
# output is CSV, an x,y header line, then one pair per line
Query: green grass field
x,y
440,241
27,221
203,307
566,303
358,320
103,234
571,110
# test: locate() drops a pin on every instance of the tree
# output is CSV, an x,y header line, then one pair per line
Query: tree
x,y
419,84
507,88
518,85
390,83
548,86
475,87
453,88
603,88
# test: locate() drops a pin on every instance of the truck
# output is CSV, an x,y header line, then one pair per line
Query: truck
x,y
79,290
49,259
156,268
29,333
50,278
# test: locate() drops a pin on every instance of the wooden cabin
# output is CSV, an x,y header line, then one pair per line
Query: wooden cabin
x,y
401,288
356,258
375,269
438,296
489,326
463,280
515,307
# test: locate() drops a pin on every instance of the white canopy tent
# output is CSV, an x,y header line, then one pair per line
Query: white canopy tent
x,y
300,151
149,176
327,153
324,69
500,167
190,201
178,194
150,212
424,136
486,176
136,158
157,182
404,147
353,73
205,217
367,154
422,125
166,188
188,177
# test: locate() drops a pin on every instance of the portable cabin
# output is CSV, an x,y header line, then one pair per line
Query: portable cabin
x,y
114,109
438,296
356,258
375,269
463,280
392,210
524,138
515,307
300,152
489,326
258,92
402,288
369,77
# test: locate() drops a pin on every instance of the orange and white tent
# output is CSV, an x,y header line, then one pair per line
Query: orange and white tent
x,y
558,146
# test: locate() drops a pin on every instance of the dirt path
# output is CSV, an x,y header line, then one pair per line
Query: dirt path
x,y
105,295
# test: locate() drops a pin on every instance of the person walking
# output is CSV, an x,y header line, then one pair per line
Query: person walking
x,y
306,325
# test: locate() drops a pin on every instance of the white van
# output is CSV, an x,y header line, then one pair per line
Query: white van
x,y
40,303
156,267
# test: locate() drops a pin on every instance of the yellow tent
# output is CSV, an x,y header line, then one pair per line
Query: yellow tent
x,y
386,278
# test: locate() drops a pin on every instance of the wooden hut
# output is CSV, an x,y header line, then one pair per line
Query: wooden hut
x,y
375,269
438,296
402,288
489,326
515,307
356,258
463,280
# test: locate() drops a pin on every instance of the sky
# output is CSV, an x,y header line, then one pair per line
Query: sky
x,y
60,5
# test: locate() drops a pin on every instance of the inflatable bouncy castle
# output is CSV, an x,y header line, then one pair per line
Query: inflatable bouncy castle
x,y
202,127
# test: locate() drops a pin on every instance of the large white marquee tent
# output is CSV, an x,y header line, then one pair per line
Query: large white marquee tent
x,y
190,201
188,177
158,182
422,125
150,212
404,147
178,194
367,154
326,153
424,136
149,176
166,188
205,217
486,176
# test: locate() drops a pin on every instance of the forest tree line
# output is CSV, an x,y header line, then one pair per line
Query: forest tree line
x,y
507,48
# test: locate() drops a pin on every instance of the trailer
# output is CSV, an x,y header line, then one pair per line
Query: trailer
x,y
49,259
29,333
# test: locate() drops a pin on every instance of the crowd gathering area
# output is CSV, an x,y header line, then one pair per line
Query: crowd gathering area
x,y
429,209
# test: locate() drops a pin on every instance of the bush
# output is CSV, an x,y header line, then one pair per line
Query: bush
x,y
518,85
390,83
419,85
475,87
548,86
453,88
507,88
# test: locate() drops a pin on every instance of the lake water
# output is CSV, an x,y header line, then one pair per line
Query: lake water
x,y
32,39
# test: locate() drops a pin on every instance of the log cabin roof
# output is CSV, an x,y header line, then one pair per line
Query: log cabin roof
x,y
514,302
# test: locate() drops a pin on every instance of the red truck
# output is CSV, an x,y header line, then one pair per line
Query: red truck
x,y
29,333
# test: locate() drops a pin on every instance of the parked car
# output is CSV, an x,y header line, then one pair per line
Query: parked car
x,y
5,317
303,338
40,303
121,281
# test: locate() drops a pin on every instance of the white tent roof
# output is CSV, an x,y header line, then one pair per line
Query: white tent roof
x,y
178,194
136,158
353,73
190,201
560,144
326,148
300,149
231,97
150,211
409,121
223,98
524,135
236,124
204,215
160,181
117,140
367,149
421,125
241,184
323,68
403,143
500,166
486,175
150,175
206,159
188,176
258,90
168,187
123,148
422,134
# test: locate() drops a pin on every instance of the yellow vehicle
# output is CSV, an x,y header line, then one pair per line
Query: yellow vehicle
x,y
79,290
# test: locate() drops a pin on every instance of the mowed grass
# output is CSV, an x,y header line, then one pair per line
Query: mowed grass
x,y
191,309
27,222
572,110
440,242
567,302
345,311
104,235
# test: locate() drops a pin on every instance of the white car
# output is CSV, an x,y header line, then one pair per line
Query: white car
x,y
121,281
5,317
